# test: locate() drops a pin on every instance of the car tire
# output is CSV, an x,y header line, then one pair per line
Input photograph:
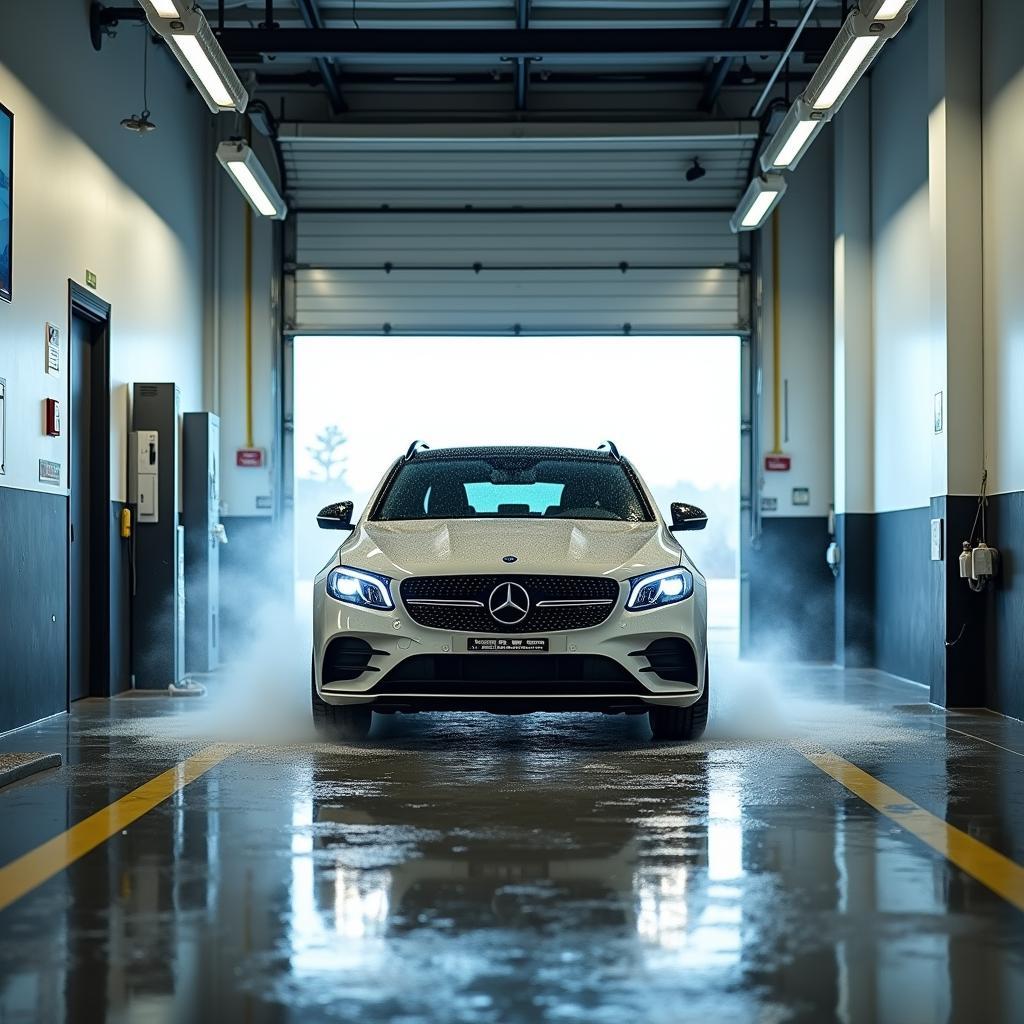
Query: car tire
x,y
339,723
669,723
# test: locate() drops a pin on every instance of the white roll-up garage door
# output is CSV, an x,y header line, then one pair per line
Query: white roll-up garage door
x,y
604,248
486,273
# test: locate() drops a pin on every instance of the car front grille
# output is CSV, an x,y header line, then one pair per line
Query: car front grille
x,y
463,603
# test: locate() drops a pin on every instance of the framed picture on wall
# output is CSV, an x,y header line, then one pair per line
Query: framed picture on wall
x,y
6,201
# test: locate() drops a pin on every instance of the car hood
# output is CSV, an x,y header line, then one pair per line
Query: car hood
x,y
572,546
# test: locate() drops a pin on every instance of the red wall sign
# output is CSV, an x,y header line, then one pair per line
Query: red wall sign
x,y
777,463
249,458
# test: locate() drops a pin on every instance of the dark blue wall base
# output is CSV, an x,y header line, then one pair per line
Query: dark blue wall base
x,y
792,599
928,625
907,634
33,606
855,590
1004,606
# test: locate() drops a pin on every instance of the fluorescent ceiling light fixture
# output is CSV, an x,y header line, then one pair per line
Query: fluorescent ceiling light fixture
x,y
793,138
192,41
238,159
841,79
852,51
758,201
889,9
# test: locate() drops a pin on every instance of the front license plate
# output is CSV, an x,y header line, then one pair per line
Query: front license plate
x,y
506,645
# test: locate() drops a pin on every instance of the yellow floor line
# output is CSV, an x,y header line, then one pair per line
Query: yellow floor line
x,y
37,866
981,862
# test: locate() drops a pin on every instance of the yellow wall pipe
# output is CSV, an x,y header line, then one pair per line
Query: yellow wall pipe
x,y
248,327
776,337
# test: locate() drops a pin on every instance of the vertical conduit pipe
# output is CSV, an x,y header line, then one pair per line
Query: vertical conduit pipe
x,y
776,336
248,327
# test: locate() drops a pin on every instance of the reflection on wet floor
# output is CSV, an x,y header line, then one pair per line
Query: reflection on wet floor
x,y
547,868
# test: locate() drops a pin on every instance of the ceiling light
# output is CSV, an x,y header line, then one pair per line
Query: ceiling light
x,y
696,172
165,8
852,51
889,9
758,201
238,159
793,138
842,78
192,41
747,76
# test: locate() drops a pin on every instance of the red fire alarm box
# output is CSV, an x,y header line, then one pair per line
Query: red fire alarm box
x,y
52,417
249,458
776,463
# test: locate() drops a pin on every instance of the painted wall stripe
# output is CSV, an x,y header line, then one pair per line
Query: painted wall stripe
x,y
981,862
50,858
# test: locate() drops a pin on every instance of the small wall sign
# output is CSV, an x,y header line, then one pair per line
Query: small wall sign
x,y
49,472
801,496
769,504
52,348
90,279
776,463
249,458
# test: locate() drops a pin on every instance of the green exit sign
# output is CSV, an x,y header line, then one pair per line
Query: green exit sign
x,y
90,279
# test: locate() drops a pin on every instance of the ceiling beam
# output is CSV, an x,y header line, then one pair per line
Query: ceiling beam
x,y
344,43
310,11
722,67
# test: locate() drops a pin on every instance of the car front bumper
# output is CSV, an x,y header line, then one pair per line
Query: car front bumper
x,y
409,667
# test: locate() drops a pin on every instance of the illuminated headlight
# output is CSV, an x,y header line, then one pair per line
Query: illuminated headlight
x,y
362,588
658,588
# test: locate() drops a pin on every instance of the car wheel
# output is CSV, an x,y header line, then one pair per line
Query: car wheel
x,y
682,723
334,723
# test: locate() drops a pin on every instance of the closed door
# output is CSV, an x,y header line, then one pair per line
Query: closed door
x,y
81,526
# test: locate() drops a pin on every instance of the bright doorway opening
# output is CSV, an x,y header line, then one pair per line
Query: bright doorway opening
x,y
672,405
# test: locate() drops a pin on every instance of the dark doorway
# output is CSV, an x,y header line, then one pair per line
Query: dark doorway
x,y
89,502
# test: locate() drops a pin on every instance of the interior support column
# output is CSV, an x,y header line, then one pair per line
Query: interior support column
x,y
955,216
854,384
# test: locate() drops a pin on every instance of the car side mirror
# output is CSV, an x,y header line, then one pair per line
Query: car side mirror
x,y
687,517
335,517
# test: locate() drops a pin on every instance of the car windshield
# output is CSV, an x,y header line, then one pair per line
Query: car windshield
x,y
512,487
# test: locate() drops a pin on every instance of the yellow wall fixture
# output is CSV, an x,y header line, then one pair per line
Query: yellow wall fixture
x,y
248,327
776,338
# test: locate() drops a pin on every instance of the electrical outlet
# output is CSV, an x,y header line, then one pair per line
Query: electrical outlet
x,y
936,540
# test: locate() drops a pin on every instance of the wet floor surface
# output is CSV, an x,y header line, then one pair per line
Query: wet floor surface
x,y
544,868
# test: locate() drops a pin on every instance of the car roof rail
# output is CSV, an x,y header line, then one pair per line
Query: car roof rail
x,y
611,449
416,446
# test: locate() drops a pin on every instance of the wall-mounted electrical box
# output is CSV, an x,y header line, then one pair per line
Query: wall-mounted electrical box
x,y
144,475
158,602
52,417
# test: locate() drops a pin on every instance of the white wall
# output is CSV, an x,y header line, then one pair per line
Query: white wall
x,y
805,258
245,490
1003,164
90,195
900,218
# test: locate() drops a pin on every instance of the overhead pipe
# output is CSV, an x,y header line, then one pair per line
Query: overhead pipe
x,y
784,57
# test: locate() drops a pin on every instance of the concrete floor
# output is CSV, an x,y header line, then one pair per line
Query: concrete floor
x,y
480,869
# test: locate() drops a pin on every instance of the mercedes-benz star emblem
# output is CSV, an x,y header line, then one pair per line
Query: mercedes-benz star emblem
x,y
508,604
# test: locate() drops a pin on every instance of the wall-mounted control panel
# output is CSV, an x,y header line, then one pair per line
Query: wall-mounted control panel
x,y
52,417
144,475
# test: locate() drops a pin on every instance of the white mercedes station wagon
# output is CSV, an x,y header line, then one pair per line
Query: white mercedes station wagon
x,y
510,580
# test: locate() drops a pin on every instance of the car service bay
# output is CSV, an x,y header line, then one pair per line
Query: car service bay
x,y
511,511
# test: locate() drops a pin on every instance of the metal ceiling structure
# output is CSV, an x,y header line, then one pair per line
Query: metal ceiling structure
x,y
353,82
521,46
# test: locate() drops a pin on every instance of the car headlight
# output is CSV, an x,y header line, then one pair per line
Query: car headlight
x,y
658,588
363,588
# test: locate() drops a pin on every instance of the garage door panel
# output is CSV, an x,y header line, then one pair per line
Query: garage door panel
x,y
414,272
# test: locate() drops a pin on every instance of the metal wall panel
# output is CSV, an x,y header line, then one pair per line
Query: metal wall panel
x,y
499,273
